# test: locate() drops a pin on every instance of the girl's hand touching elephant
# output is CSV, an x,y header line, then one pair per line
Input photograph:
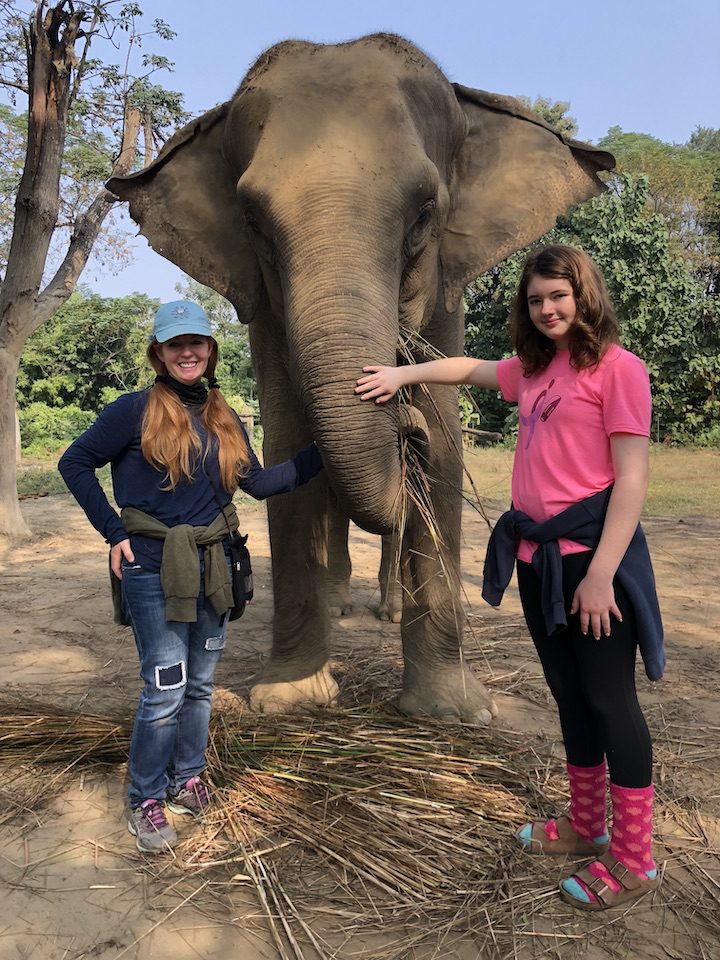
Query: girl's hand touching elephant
x,y
381,384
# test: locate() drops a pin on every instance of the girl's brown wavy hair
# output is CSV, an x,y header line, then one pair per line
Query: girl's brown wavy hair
x,y
595,327
170,441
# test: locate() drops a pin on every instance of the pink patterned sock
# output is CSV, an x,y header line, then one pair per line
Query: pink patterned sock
x,y
631,842
588,800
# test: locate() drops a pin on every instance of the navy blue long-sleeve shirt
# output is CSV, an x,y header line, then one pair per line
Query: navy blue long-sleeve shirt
x,y
115,438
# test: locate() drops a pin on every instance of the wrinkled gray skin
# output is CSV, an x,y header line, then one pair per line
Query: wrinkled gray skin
x,y
345,193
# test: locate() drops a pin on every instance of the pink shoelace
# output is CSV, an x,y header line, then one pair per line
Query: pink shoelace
x,y
196,785
154,813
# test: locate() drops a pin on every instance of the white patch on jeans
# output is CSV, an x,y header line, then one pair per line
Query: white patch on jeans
x,y
215,643
172,676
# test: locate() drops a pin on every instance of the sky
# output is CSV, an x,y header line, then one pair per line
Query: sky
x,y
648,66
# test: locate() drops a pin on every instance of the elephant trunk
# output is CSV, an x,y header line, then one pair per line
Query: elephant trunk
x,y
331,336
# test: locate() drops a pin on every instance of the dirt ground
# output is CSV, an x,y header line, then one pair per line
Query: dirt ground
x,y
71,882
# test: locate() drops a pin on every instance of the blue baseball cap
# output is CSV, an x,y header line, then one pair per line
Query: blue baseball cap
x,y
178,317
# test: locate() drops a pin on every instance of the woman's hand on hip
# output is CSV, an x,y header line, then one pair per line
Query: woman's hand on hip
x,y
594,599
119,552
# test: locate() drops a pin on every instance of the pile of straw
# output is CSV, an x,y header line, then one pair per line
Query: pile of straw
x,y
351,820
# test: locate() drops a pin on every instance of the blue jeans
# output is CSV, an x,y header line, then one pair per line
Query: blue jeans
x,y
177,665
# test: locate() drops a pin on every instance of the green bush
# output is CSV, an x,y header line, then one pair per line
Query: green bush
x,y
47,428
39,482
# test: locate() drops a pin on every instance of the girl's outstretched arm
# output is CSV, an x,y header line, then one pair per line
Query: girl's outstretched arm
x,y
595,597
382,383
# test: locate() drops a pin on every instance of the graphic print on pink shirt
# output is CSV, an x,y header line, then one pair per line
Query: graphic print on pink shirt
x,y
539,411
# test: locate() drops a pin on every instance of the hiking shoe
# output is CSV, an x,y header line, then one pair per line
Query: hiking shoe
x,y
192,799
148,824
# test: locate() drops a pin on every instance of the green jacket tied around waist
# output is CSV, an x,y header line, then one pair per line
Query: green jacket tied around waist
x,y
180,568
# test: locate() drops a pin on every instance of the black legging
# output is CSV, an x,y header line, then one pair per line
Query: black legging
x,y
592,681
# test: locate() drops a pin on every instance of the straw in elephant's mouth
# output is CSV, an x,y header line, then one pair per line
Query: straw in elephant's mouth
x,y
414,348
416,486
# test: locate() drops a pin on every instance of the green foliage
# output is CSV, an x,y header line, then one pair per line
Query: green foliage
x,y
46,428
487,303
553,113
706,139
666,316
683,186
39,482
87,353
242,405
470,416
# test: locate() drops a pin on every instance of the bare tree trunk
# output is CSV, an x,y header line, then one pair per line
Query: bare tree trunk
x,y
148,139
51,59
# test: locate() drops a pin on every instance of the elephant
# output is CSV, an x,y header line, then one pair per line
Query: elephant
x,y
344,196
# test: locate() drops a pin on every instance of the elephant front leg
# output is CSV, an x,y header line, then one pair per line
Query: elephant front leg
x,y
297,672
436,680
448,689
339,567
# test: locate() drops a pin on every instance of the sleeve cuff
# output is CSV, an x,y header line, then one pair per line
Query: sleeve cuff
x,y
308,463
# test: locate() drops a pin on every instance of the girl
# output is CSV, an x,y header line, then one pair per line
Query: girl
x,y
584,573
177,453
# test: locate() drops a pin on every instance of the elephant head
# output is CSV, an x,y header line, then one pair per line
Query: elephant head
x,y
345,192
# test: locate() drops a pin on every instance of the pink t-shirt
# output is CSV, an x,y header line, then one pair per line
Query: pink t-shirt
x,y
566,419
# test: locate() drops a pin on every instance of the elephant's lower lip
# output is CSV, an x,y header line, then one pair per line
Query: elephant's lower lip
x,y
413,424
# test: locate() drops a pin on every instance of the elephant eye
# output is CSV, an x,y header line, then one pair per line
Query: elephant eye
x,y
418,231
425,215
261,243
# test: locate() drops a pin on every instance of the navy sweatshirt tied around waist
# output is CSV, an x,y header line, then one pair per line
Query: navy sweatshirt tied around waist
x,y
582,523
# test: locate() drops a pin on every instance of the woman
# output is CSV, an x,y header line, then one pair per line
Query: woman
x,y
177,453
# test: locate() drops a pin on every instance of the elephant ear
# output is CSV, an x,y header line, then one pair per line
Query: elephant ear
x,y
514,175
185,204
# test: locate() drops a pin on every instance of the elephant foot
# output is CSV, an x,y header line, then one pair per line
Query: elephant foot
x,y
319,689
226,702
450,694
390,612
339,601
340,611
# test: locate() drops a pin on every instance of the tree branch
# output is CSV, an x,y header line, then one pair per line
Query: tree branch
x,y
87,228
15,86
80,68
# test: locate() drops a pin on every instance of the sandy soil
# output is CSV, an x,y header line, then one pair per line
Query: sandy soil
x,y
71,881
